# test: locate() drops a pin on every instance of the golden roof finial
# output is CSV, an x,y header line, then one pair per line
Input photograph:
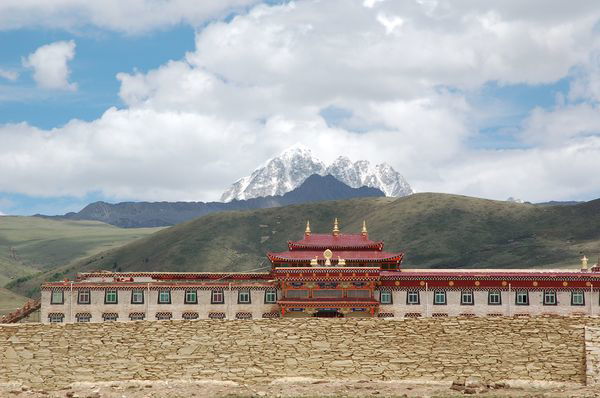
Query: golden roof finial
x,y
336,228
307,232
364,229
584,262
341,262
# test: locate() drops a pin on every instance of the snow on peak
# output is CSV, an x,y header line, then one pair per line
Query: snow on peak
x,y
287,171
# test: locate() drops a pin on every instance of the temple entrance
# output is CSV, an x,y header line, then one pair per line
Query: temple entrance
x,y
328,313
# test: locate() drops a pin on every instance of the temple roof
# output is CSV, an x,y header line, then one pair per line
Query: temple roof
x,y
333,242
348,255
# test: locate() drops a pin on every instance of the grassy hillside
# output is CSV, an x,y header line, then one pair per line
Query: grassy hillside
x,y
29,245
9,301
435,230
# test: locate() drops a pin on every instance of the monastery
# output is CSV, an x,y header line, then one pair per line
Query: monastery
x,y
323,275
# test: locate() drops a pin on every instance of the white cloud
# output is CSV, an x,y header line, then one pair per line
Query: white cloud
x,y
9,74
258,82
131,16
50,65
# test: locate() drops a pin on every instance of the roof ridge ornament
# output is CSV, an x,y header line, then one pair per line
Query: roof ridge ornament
x,y
336,228
584,263
364,231
307,231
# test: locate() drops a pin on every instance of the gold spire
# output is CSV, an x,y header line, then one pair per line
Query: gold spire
x,y
307,232
336,229
364,229
584,262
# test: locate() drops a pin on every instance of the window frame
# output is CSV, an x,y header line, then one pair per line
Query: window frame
x,y
107,318
141,317
573,297
79,317
52,318
495,292
185,296
554,295
412,292
270,292
89,296
386,292
443,293
106,292
160,292
62,297
137,291
244,291
467,293
517,293
215,292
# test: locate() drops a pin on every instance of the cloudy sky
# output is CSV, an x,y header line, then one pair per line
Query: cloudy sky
x,y
175,100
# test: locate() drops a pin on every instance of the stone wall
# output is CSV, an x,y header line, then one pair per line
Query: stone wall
x,y
592,355
494,349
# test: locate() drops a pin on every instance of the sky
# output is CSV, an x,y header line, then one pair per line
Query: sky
x,y
176,100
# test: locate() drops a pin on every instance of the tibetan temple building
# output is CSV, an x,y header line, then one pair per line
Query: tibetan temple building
x,y
323,275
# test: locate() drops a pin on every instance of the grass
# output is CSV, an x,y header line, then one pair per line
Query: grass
x,y
9,301
435,231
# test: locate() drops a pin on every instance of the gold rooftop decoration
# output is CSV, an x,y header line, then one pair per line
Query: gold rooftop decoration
x,y
341,262
328,254
584,262
336,228
314,261
307,231
364,229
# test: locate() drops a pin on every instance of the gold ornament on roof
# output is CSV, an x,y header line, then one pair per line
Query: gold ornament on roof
x,y
327,254
584,262
364,229
341,262
307,231
336,228
314,262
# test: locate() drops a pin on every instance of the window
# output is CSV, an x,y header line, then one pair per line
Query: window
x,y
57,297
216,315
439,298
494,298
83,297
385,297
244,297
110,316
300,293
83,317
137,297
137,316
550,297
412,298
217,297
163,316
358,293
110,296
191,297
327,293
243,315
577,298
466,298
522,297
189,315
270,296
164,297
55,317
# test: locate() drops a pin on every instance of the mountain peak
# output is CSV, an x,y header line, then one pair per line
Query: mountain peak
x,y
288,170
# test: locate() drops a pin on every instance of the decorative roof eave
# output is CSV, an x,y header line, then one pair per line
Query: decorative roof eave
x,y
176,275
375,246
155,285
391,259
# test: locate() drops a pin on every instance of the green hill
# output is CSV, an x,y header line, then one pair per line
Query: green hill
x,y
29,245
435,230
9,301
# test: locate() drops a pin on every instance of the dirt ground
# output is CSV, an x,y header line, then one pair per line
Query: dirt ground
x,y
303,387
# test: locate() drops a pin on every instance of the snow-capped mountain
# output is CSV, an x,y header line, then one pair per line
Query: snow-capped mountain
x,y
287,171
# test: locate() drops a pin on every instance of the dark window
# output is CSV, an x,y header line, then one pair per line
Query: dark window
x,y
164,297
137,297
270,296
57,297
137,316
439,297
494,298
385,297
577,298
111,296
189,315
164,316
110,317
297,293
56,318
83,297
217,297
327,293
358,293
522,297
466,298
85,317
550,297
191,297
412,297
244,297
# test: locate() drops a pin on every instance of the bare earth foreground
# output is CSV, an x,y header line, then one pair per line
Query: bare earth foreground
x,y
305,387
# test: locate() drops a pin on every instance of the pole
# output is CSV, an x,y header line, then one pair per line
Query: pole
x,y
71,303
148,300
229,303
426,299
509,290
591,300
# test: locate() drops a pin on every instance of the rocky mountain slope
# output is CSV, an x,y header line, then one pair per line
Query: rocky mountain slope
x,y
435,231
156,214
287,171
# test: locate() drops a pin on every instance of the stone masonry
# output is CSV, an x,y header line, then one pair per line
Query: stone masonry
x,y
493,349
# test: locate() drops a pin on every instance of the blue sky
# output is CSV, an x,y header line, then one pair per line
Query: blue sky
x,y
504,116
